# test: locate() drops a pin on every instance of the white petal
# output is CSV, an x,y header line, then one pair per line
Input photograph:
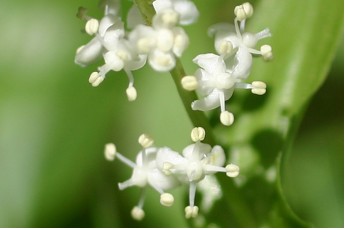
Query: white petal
x,y
161,61
136,63
209,102
181,41
217,156
241,65
159,180
196,151
165,40
88,53
106,22
143,38
187,11
113,61
210,190
210,62
167,155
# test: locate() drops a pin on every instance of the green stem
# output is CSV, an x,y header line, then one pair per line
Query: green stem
x,y
198,118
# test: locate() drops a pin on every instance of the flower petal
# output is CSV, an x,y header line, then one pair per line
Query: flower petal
x,y
88,53
187,11
212,63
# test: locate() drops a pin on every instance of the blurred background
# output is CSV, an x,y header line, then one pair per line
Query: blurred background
x,y
53,127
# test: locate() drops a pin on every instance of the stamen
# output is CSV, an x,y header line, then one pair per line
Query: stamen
x,y
131,93
191,212
192,190
110,151
189,83
198,134
125,160
137,213
213,168
259,87
91,26
226,118
145,141
263,34
221,101
266,52
126,184
167,199
95,79
244,11
232,170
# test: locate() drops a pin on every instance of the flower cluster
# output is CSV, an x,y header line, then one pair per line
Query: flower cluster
x,y
163,168
130,47
219,74
160,43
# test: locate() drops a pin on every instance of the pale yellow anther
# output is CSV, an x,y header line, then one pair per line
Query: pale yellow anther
x,y
137,213
189,83
131,93
145,141
225,48
244,11
167,199
144,45
191,212
198,134
232,170
266,52
95,79
259,87
226,118
167,166
91,26
170,18
110,151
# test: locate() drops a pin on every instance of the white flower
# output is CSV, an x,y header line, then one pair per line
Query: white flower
x,y
197,161
145,173
237,46
187,11
111,43
162,42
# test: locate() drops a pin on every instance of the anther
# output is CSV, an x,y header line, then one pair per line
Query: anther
x,y
131,93
137,213
226,118
91,26
189,83
191,212
258,87
244,11
95,79
145,141
198,134
110,151
232,170
167,199
266,52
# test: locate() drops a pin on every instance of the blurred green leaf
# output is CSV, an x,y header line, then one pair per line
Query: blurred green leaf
x,y
304,42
